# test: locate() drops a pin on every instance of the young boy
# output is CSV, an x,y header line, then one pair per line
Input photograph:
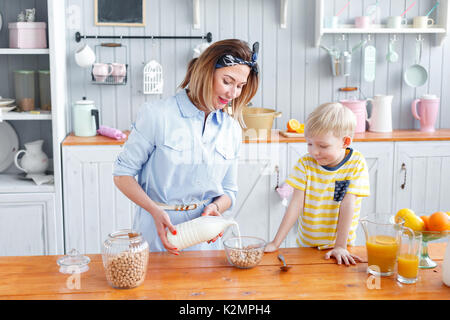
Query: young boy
x,y
328,183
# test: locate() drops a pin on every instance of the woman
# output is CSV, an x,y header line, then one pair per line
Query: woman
x,y
184,148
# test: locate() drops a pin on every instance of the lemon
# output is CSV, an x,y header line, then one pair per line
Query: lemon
x,y
301,129
385,240
411,220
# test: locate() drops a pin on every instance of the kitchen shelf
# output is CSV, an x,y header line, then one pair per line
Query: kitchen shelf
x,y
12,115
440,30
16,183
380,29
23,51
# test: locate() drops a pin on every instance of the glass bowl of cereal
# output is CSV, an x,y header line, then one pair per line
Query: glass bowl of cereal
x,y
244,252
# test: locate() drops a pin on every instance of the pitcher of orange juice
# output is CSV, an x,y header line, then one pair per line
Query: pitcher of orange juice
x,y
383,236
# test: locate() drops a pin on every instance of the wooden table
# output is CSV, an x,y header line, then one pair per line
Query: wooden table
x,y
204,275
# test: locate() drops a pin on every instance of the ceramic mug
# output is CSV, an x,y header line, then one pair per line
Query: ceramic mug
x,y
84,56
362,22
119,71
331,22
396,22
101,71
422,22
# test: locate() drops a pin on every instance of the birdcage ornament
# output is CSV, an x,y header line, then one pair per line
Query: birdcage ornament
x,y
153,78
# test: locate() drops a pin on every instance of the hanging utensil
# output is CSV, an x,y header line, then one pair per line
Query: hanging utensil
x,y
392,56
416,75
370,57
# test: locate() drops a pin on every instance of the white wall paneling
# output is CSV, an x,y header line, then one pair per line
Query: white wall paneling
x,y
295,75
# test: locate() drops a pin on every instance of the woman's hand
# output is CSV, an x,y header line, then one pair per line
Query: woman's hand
x,y
271,247
212,210
341,254
162,221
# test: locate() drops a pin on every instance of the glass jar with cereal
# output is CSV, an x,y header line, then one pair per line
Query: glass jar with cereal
x,y
125,257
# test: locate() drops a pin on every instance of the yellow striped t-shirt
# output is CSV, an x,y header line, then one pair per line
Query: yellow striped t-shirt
x,y
324,189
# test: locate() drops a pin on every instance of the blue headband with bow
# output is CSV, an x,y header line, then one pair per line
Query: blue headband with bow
x,y
230,60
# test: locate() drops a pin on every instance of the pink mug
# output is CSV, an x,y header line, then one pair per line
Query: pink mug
x,y
362,22
359,109
119,71
101,71
428,110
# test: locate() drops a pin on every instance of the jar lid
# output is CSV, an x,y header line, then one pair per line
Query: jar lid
x,y
24,71
73,262
84,101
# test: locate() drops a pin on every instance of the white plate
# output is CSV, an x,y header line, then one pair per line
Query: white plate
x,y
6,101
9,145
7,109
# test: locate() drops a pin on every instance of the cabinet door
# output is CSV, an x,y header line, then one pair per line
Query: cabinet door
x,y
93,206
29,225
422,177
379,157
257,205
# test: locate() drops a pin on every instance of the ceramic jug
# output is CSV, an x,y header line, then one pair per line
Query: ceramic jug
x,y
381,117
360,110
34,161
85,118
428,111
198,230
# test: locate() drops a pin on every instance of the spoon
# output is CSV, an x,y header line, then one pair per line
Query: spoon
x,y
284,267
392,56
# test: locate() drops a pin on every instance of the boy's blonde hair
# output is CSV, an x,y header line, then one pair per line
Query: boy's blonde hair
x,y
331,117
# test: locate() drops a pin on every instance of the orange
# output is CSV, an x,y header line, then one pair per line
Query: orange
x,y
426,220
438,221
293,125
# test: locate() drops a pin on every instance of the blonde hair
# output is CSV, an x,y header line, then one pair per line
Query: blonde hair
x,y
200,74
334,117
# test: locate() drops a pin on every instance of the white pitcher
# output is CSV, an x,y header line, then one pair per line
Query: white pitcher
x,y
381,117
34,161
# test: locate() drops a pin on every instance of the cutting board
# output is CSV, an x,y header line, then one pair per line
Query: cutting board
x,y
292,134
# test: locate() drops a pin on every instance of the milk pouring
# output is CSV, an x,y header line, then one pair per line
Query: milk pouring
x,y
198,230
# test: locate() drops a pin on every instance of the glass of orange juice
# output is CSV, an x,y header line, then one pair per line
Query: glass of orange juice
x,y
382,243
409,256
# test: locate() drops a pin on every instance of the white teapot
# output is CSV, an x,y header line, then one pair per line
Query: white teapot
x,y
34,161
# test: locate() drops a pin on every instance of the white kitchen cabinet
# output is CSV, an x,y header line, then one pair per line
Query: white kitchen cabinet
x,y
258,207
93,206
29,225
31,215
422,176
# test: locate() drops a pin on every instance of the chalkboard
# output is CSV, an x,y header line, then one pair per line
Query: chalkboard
x,y
120,12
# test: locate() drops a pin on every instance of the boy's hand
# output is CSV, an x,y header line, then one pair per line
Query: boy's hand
x,y
270,247
341,254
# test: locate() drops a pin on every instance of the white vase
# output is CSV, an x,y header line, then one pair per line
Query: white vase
x,y
34,161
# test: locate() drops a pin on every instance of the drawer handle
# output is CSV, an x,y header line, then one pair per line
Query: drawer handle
x,y
403,186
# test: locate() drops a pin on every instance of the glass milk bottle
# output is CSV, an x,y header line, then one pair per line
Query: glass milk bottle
x,y
198,230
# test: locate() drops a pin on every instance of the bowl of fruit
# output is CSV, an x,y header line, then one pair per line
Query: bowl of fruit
x,y
433,227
